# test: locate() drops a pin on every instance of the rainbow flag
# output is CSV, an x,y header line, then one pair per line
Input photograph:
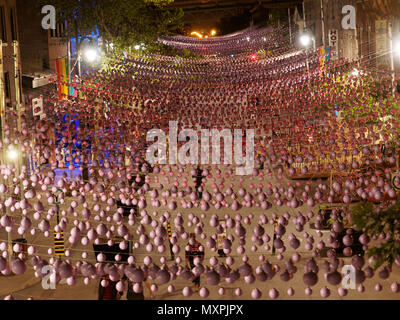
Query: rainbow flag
x,y
72,92
324,56
64,79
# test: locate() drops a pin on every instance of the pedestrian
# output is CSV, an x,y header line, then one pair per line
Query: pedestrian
x,y
109,292
132,295
191,254
221,238
198,180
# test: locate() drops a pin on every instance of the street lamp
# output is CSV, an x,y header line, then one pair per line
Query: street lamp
x,y
396,46
90,55
12,154
305,40
394,50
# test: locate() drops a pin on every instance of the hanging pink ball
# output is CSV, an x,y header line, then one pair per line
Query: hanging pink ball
x,y
187,292
325,292
171,288
273,293
204,292
342,291
256,293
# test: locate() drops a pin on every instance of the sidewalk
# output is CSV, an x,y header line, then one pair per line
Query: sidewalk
x,y
11,283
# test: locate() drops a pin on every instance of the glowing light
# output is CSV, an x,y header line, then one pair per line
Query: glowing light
x,y
12,154
213,32
355,73
137,47
305,40
396,46
197,34
90,55
253,57
248,38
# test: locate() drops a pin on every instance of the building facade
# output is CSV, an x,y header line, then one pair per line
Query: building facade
x,y
369,42
10,75
40,48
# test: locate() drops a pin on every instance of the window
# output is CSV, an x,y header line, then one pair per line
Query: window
x,y
7,85
13,24
2,25
58,31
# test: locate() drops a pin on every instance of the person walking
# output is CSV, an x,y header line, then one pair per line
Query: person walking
x,y
190,254
109,292
132,295
198,180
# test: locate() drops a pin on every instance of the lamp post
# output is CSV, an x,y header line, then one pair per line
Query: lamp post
x,y
18,101
394,50
2,100
305,40
89,54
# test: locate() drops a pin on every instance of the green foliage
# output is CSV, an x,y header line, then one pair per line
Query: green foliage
x,y
373,221
187,54
124,23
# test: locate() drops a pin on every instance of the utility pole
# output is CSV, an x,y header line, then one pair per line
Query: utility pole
x,y
290,25
18,100
369,41
69,66
304,16
2,101
322,23
3,122
20,109
361,44
79,67
390,33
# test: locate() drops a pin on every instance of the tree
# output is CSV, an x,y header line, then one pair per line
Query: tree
x,y
376,220
124,23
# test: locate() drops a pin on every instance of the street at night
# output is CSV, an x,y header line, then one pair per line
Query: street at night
x,y
200,150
